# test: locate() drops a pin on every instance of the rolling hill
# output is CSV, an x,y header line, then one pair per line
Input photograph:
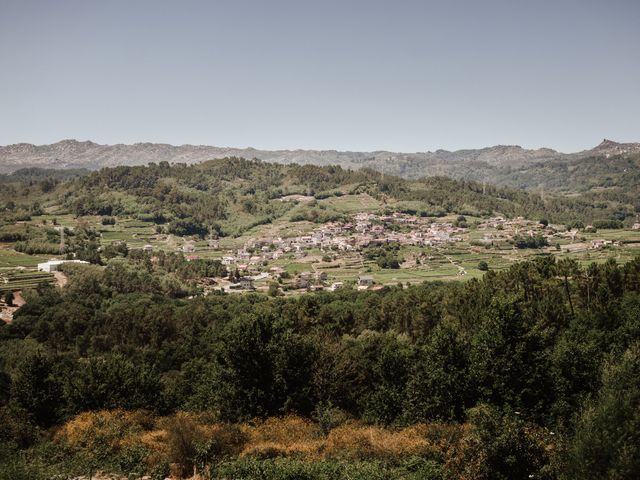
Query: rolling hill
x,y
508,165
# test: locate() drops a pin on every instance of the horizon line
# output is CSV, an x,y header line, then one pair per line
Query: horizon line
x,y
176,145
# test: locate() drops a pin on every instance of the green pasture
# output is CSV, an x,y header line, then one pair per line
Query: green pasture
x,y
9,258
352,203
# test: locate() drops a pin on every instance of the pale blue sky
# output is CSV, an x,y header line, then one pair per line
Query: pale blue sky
x,y
349,75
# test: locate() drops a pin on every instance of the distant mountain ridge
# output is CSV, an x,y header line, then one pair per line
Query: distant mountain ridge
x,y
484,164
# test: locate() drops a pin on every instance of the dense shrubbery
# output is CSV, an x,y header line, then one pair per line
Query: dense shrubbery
x,y
535,241
385,257
33,248
187,226
12,236
607,224
317,215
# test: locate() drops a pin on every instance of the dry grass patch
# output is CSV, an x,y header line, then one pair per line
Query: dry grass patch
x,y
110,429
186,440
358,441
286,436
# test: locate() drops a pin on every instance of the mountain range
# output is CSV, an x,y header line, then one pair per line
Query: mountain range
x,y
502,164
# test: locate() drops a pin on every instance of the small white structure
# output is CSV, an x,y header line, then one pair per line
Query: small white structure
x,y
336,286
147,248
227,260
53,265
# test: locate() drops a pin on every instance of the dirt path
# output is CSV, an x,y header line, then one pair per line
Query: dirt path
x,y
61,279
461,269
6,312
18,299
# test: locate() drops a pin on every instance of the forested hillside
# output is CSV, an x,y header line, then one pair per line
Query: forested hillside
x,y
504,165
228,196
528,373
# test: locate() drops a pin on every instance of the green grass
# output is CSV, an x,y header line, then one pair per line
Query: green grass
x,y
9,258
352,203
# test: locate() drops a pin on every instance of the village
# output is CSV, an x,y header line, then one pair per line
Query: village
x,y
366,250
337,254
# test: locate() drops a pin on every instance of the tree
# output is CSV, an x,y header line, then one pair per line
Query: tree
x,y
439,387
537,241
607,434
509,359
8,298
111,381
502,446
483,266
35,388
566,268
241,373
274,290
187,226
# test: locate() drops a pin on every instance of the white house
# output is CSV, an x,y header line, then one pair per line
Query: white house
x,y
228,260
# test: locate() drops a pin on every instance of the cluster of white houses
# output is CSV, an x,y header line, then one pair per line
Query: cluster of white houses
x,y
366,230
363,231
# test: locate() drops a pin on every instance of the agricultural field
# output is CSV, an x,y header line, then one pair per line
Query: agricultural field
x,y
22,280
10,259
458,260
300,227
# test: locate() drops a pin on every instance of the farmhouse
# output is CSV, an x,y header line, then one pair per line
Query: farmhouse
x,y
228,260
365,281
595,244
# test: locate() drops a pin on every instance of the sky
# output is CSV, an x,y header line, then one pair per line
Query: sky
x,y
398,75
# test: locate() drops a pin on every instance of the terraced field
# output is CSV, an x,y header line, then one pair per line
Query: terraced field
x,y
23,280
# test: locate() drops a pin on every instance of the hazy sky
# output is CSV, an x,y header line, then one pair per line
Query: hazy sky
x,y
345,74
